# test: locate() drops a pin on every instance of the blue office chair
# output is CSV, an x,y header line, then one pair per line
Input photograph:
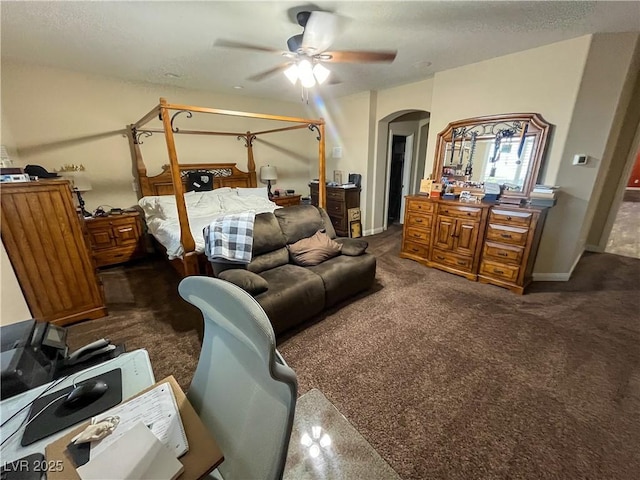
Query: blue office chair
x,y
242,389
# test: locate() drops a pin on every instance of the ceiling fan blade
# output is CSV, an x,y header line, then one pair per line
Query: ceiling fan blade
x,y
359,56
267,73
245,46
319,32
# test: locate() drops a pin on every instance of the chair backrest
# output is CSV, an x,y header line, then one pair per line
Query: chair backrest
x,y
242,390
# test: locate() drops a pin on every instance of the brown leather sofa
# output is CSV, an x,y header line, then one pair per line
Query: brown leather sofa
x,y
289,293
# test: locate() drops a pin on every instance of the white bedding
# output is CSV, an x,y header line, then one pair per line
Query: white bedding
x,y
202,207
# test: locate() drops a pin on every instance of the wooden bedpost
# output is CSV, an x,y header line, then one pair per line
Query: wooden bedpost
x,y
322,174
140,169
186,238
251,164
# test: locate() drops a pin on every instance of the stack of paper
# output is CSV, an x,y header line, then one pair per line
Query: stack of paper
x,y
146,443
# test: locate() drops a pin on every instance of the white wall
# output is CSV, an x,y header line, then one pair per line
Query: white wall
x,y
58,117
13,307
593,131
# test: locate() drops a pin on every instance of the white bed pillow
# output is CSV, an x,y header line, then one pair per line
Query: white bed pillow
x,y
261,192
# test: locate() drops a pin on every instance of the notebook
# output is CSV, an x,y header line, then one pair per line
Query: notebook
x,y
137,454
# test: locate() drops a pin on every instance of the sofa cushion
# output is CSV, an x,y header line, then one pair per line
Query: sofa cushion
x,y
269,260
313,250
249,281
301,221
328,226
344,276
352,246
295,294
267,235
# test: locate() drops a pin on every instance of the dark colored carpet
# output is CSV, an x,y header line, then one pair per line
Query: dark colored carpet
x,y
632,195
446,378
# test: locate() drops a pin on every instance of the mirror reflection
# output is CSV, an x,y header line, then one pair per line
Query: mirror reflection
x,y
505,150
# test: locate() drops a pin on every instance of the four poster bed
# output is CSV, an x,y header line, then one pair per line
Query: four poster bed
x,y
172,181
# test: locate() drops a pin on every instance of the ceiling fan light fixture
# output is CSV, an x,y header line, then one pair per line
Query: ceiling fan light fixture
x,y
305,72
292,73
321,73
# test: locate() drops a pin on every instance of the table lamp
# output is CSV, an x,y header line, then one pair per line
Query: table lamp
x,y
80,183
268,174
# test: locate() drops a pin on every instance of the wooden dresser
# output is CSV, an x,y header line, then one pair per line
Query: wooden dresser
x,y
490,243
116,238
339,201
44,239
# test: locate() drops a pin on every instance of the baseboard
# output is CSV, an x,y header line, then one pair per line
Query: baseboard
x,y
373,232
594,248
551,277
557,277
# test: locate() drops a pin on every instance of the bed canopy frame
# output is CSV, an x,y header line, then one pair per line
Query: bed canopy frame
x,y
172,178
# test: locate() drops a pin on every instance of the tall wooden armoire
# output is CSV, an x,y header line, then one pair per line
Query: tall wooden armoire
x,y
44,239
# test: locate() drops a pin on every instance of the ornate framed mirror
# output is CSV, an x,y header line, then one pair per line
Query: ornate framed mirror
x,y
507,150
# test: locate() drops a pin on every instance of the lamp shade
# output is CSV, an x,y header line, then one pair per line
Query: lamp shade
x,y
79,180
268,173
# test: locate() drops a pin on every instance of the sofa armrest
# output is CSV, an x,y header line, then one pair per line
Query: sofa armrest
x,y
248,281
352,246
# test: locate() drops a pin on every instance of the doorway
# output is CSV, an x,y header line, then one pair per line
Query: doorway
x,y
400,155
624,238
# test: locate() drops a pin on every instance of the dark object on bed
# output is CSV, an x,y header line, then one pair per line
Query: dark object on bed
x,y
295,293
199,181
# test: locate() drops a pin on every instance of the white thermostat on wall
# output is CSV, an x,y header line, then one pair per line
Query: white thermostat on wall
x,y
580,159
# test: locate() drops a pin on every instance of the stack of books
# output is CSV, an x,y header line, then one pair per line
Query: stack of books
x,y
543,196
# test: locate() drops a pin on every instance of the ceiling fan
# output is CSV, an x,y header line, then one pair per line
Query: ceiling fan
x,y
308,51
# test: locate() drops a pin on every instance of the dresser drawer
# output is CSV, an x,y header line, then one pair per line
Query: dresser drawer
x,y
337,195
335,209
414,205
459,211
506,234
511,217
418,235
499,270
455,261
419,221
416,249
115,255
502,252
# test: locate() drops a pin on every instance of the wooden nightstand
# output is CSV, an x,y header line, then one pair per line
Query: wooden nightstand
x,y
287,200
116,238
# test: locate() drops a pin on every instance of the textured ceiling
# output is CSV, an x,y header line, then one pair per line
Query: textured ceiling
x,y
143,41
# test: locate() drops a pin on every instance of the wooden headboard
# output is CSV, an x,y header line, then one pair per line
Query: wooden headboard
x,y
224,175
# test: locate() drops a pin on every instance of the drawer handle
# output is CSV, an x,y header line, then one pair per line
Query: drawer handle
x,y
502,254
509,217
461,263
505,235
439,257
498,271
454,235
119,255
445,211
125,229
418,220
414,249
417,235
468,214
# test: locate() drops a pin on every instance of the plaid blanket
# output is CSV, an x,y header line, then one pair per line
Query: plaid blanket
x,y
229,238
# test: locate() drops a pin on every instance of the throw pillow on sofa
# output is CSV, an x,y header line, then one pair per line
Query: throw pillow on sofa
x,y
248,281
313,250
